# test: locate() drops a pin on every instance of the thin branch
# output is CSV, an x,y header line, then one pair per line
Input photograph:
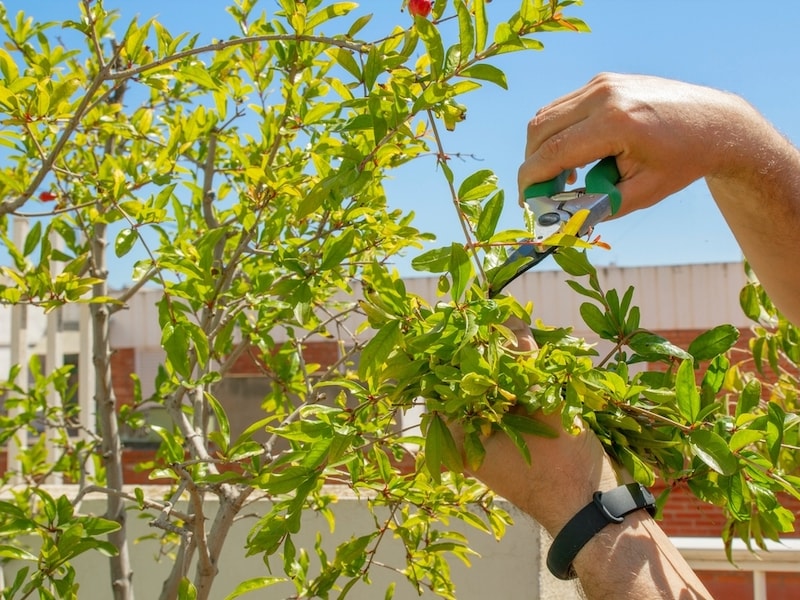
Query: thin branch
x,y
208,196
199,537
160,506
98,50
47,164
56,211
131,291
217,46
454,194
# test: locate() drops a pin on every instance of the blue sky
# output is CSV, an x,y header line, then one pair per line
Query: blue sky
x,y
748,48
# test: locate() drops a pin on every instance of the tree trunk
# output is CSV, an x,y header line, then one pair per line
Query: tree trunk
x,y
121,572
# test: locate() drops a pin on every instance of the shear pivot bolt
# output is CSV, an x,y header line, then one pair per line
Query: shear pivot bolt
x,y
548,219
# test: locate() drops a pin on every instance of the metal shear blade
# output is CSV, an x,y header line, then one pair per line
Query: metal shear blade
x,y
551,214
552,208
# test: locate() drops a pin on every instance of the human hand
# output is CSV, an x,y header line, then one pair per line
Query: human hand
x,y
564,472
664,134
636,560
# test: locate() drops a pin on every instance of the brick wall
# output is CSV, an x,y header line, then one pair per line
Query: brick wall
x,y
123,364
685,515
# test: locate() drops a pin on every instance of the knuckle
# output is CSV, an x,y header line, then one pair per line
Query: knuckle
x,y
605,87
536,122
552,148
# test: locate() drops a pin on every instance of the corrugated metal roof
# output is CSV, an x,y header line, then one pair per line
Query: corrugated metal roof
x,y
670,297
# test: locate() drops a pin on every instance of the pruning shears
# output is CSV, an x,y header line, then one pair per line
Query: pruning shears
x,y
552,208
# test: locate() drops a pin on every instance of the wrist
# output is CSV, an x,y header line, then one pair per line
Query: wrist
x,y
607,509
578,490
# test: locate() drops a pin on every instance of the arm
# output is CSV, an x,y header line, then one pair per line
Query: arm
x,y
667,134
633,560
630,561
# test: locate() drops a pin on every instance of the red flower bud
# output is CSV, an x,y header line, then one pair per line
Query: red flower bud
x,y
48,196
419,8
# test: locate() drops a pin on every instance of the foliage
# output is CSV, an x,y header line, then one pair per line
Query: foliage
x,y
248,176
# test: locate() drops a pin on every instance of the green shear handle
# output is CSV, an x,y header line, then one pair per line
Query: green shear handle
x,y
600,179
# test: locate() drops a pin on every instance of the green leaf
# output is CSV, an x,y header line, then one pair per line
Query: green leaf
x,y
452,60
223,424
373,68
490,216
433,261
344,58
715,374
251,585
574,262
474,452
638,469
688,398
481,25
748,300
287,481
353,550
713,342
460,270
475,384
440,449
486,72
124,242
16,553
466,31
377,350
653,347
432,39
336,249
526,424
358,25
775,424
749,398
477,186
49,506
99,526
33,238
596,320
584,291
171,446
744,437
329,12
734,489
713,451
186,590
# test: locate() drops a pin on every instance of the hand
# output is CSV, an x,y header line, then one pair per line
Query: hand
x,y
564,472
664,134
635,560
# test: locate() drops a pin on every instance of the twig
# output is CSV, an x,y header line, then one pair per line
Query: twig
x,y
47,164
164,507
454,194
217,46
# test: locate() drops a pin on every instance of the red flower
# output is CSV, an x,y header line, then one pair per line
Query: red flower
x,y
48,196
419,8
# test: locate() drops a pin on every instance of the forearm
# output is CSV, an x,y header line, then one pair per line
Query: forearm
x,y
632,560
758,192
636,560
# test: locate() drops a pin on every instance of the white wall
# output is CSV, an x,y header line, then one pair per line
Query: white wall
x,y
509,568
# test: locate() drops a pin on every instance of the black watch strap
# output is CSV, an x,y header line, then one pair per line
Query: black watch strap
x,y
605,508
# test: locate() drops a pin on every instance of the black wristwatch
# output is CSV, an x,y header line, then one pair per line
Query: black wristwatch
x,y
605,508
